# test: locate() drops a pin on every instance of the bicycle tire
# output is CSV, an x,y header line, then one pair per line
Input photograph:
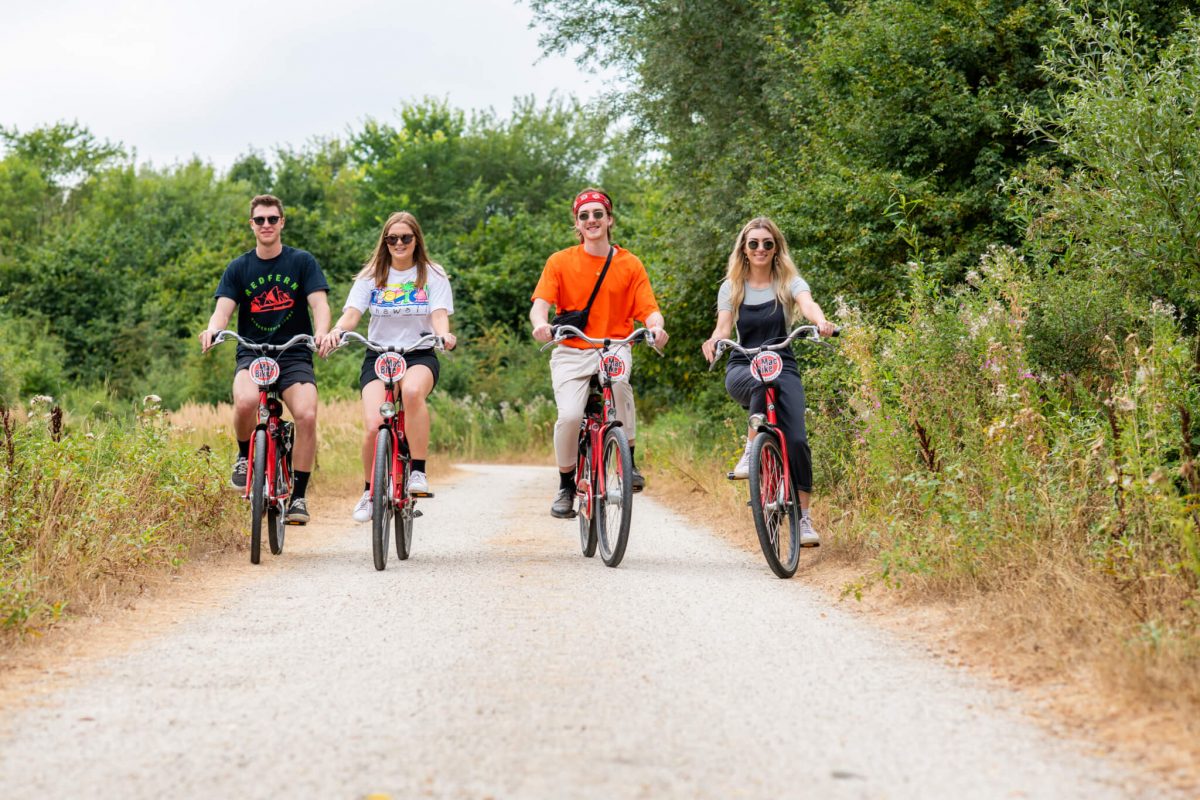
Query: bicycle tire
x,y
277,508
614,510
381,499
404,518
588,529
773,506
258,485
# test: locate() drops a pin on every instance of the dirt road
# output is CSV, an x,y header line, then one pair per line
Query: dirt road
x,y
499,663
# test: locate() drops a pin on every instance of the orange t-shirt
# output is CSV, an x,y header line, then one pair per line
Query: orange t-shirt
x,y
567,281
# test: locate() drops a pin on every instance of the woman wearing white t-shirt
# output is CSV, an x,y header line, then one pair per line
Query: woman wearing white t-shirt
x,y
408,296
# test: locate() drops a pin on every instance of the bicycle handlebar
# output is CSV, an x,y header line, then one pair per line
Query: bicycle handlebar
x,y
428,338
809,332
263,349
563,332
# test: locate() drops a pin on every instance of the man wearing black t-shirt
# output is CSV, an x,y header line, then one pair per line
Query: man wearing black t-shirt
x,y
272,287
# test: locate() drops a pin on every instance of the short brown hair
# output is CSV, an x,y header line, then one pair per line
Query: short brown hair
x,y
266,200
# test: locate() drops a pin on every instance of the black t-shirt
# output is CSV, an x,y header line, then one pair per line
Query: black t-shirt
x,y
272,295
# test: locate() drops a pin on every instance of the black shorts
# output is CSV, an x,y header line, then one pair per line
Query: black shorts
x,y
291,370
423,358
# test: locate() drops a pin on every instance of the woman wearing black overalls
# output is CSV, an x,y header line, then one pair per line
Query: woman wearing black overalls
x,y
762,294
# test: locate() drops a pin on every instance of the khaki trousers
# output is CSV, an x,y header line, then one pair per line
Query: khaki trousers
x,y
571,370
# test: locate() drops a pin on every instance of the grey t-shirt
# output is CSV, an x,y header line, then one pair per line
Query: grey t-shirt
x,y
755,296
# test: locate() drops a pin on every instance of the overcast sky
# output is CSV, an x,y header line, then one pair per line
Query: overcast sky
x,y
218,77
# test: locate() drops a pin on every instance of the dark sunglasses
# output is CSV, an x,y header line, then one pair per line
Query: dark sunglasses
x,y
597,214
767,244
404,238
271,220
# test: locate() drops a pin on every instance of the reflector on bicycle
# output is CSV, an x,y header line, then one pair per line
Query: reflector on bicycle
x,y
390,366
614,366
264,371
767,366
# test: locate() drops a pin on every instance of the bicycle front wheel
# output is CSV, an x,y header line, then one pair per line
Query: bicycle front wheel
x,y
614,506
588,528
258,486
773,504
277,506
381,498
404,518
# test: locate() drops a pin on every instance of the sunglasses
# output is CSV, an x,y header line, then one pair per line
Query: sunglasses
x,y
260,221
597,214
767,244
404,238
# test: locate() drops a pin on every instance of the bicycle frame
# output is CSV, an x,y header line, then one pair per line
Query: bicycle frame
x,y
389,368
597,423
264,371
766,366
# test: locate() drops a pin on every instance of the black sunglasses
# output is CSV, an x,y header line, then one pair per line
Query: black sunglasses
x,y
271,220
597,214
767,244
404,238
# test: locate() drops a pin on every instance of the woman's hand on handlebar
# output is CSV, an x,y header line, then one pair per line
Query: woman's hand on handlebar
x,y
709,348
329,342
826,328
449,340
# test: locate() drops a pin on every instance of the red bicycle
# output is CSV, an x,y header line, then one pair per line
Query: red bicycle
x,y
773,498
270,483
391,499
604,493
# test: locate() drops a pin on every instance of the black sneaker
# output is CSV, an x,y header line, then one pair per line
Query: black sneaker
x,y
297,513
563,506
636,481
238,479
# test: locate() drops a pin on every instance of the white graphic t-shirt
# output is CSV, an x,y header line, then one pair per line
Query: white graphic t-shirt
x,y
400,310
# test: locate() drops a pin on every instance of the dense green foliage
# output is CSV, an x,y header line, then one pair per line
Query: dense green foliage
x,y
114,265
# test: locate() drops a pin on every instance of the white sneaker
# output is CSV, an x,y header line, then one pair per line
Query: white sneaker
x,y
808,536
741,470
362,509
418,484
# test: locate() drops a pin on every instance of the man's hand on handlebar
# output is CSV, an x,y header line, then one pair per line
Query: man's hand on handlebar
x,y
206,339
543,333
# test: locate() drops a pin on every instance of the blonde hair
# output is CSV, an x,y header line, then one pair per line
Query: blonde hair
x,y
783,269
377,266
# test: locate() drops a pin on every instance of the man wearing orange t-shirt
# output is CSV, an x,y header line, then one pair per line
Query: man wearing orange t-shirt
x,y
624,296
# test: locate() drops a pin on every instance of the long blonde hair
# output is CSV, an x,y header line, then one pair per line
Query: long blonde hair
x,y
783,269
377,266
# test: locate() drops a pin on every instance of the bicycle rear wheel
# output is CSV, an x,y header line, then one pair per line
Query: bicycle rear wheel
x,y
614,509
773,505
381,498
258,485
404,518
277,507
588,528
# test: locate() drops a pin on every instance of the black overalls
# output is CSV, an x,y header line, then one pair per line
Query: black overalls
x,y
764,323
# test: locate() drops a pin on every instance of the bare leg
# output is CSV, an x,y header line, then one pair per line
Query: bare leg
x,y
301,400
372,397
415,386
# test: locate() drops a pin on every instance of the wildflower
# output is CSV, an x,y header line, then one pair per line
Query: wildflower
x,y
40,400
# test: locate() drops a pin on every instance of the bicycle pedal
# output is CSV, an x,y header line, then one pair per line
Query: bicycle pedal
x,y
418,513
297,523
422,494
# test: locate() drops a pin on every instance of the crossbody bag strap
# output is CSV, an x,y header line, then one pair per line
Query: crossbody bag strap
x,y
595,289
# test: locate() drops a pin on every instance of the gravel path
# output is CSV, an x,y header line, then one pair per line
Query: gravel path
x,y
499,663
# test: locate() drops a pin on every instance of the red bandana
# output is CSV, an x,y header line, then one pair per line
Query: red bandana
x,y
592,197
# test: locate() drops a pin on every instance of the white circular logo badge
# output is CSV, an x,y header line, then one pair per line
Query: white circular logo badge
x,y
264,371
766,367
390,367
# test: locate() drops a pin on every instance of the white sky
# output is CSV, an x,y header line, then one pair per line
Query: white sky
x,y
215,78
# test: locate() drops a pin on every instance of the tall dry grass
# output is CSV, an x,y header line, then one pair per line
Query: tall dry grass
x,y
89,509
